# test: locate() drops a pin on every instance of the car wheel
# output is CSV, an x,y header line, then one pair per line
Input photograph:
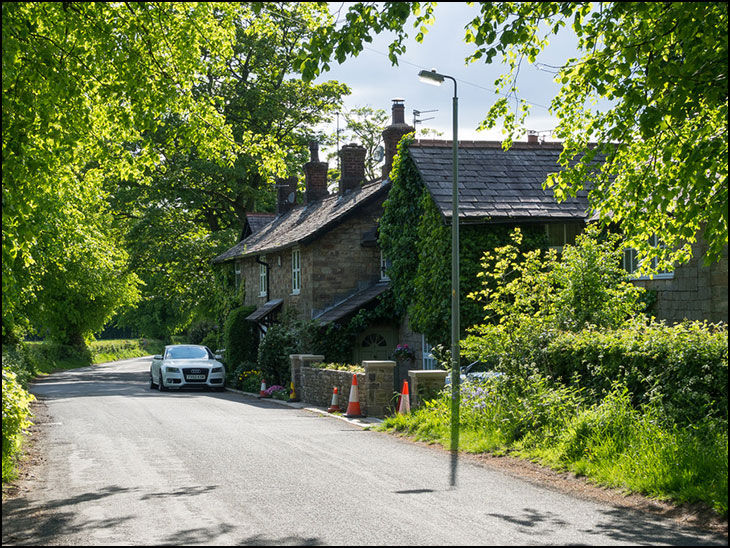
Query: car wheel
x,y
152,382
161,386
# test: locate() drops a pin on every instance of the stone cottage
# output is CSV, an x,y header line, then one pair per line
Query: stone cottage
x,y
322,258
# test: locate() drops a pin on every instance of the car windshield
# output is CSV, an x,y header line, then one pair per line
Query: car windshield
x,y
187,353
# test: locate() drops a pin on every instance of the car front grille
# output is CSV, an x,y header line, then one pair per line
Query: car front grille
x,y
195,374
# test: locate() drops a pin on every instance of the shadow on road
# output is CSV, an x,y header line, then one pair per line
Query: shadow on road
x,y
621,525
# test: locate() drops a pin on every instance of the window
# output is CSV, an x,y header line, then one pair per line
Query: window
x,y
632,263
263,282
560,234
384,266
296,272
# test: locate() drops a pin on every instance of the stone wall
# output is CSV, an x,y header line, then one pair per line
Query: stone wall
x,y
318,385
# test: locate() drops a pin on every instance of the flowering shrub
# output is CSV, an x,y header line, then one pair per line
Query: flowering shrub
x,y
277,392
404,352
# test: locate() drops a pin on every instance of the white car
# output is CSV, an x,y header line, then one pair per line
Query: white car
x,y
187,366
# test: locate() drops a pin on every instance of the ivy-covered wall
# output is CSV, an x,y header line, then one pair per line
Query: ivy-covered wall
x,y
415,238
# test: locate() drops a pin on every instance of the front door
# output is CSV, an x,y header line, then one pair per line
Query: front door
x,y
376,343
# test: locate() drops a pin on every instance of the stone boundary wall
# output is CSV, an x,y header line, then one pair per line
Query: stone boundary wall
x,y
318,384
376,395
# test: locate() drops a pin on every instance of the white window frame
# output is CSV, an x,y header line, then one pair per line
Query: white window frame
x,y
263,281
296,271
631,263
384,265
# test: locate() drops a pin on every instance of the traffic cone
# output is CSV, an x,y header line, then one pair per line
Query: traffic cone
x,y
262,392
405,404
353,406
334,407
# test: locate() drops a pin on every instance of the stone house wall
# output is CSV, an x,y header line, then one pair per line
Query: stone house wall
x,y
332,267
694,292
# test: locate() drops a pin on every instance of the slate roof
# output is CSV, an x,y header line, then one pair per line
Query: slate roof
x,y
260,313
496,184
305,223
257,221
352,304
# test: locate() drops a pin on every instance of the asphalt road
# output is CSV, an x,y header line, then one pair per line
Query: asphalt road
x,y
126,465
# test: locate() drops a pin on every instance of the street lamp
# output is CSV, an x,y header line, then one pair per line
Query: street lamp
x,y
434,78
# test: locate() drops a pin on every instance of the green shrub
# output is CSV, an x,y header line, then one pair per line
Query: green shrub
x,y
16,415
239,337
274,350
684,368
211,341
201,330
241,377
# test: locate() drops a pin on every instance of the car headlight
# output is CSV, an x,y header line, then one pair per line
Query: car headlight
x,y
217,370
172,370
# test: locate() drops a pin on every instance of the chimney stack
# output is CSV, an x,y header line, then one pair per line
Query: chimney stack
x,y
532,137
353,167
286,196
315,175
394,133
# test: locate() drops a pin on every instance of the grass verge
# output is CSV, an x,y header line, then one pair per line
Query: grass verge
x,y
608,441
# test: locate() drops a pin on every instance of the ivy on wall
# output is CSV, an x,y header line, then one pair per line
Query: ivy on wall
x,y
415,238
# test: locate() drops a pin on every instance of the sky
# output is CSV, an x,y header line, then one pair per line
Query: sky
x,y
375,82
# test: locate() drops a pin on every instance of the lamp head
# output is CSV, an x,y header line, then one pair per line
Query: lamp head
x,y
431,77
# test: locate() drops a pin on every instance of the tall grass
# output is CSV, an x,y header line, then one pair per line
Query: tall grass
x,y
609,441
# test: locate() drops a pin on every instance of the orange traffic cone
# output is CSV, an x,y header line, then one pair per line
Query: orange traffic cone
x,y
334,407
405,404
262,392
353,406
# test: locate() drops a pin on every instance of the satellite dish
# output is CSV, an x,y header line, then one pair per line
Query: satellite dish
x,y
379,154
292,197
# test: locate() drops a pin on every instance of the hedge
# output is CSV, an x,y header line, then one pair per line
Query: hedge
x,y
684,367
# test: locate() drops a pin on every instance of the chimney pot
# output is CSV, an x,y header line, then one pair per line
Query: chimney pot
x,y
394,133
314,151
315,176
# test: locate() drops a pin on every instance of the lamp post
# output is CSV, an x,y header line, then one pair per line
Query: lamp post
x,y
434,78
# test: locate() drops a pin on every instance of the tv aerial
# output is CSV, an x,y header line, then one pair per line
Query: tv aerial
x,y
417,113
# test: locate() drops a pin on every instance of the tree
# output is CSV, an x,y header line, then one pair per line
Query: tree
x,y
192,208
84,85
662,65
365,125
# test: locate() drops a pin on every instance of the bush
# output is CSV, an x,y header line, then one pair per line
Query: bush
x,y
239,337
274,350
16,415
245,377
200,331
684,367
